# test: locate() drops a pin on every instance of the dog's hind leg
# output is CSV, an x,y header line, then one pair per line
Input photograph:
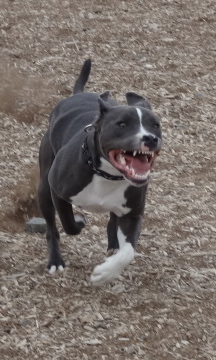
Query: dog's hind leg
x,y
47,208
113,244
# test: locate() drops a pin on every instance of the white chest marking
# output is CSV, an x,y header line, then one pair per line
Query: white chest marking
x,y
103,195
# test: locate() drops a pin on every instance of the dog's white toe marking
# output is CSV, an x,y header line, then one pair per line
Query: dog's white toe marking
x,y
113,265
60,268
80,218
52,269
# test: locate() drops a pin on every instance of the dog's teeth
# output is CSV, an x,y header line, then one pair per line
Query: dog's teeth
x,y
122,160
147,153
134,153
132,172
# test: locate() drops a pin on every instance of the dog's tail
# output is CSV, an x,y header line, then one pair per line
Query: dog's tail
x,y
83,77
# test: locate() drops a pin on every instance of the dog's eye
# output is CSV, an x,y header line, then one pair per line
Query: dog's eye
x,y
156,125
122,124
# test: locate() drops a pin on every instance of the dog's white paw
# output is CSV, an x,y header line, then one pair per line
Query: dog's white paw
x,y
55,268
105,272
113,266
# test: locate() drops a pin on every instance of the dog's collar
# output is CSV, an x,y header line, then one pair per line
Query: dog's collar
x,y
88,160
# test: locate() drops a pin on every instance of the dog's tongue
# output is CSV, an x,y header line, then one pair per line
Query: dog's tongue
x,y
140,165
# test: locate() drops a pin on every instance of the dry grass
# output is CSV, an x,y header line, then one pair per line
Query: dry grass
x,y
163,305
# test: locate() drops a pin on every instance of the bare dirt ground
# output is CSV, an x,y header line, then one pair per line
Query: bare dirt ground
x,y
164,305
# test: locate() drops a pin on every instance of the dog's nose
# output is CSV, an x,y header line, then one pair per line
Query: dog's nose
x,y
150,140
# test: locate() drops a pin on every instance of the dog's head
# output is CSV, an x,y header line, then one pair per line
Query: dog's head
x,y
129,137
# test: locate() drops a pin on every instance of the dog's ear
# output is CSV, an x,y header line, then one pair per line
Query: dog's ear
x,y
104,107
135,99
105,95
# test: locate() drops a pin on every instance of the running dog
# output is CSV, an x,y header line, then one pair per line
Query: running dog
x,y
98,155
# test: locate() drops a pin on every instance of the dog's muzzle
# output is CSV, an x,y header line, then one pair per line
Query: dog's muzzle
x,y
134,165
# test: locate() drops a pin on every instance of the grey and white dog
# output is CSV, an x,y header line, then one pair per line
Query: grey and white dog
x,y
98,155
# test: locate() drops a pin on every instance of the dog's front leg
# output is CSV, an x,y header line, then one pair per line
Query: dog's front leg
x,y
113,244
128,230
71,223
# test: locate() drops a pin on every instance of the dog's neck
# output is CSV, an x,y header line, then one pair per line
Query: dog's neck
x,y
88,159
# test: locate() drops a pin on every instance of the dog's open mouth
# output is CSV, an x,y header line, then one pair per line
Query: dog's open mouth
x,y
134,165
